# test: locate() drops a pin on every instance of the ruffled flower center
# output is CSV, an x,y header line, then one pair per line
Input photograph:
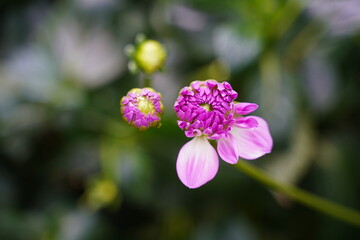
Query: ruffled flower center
x,y
145,106
206,108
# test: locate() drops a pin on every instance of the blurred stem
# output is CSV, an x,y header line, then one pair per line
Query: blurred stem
x,y
270,72
147,81
323,205
303,43
109,155
283,18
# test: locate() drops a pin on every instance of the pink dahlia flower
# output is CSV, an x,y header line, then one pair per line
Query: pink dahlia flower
x,y
142,108
207,111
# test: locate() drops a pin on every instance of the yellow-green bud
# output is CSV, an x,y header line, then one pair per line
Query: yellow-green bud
x,y
150,56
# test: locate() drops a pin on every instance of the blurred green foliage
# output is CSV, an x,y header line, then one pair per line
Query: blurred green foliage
x,y
70,168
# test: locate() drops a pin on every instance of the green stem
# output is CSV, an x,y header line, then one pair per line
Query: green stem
x,y
323,205
147,81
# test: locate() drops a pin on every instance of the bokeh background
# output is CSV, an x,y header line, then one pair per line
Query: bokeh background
x,y
71,169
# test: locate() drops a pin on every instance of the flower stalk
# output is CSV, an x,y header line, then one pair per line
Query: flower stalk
x,y
320,204
147,81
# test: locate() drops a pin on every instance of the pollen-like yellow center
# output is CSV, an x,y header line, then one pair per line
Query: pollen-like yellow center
x,y
206,106
145,106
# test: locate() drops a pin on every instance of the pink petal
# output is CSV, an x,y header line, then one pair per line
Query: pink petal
x,y
246,122
197,162
253,142
244,108
228,149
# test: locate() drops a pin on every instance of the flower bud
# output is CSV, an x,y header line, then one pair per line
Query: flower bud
x,y
142,108
150,56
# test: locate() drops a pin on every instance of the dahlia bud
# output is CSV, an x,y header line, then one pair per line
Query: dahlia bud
x,y
150,56
146,55
142,108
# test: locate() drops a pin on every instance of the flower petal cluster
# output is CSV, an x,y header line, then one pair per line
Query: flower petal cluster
x,y
142,108
207,111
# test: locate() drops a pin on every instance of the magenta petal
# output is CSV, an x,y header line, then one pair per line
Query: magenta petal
x,y
197,162
254,142
228,149
244,108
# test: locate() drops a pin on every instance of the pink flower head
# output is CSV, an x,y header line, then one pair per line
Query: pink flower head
x,y
206,110
142,108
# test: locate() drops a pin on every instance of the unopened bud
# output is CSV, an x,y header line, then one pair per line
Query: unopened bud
x,y
150,56
142,108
